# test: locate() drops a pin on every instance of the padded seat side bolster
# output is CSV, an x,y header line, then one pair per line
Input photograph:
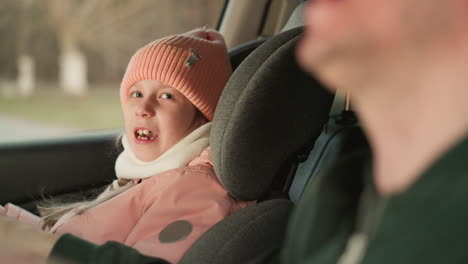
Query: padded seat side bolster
x,y
244,235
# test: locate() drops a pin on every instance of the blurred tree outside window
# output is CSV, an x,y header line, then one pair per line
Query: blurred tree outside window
x,y
63,60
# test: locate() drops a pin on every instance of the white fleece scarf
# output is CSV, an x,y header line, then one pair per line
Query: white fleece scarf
x,y
128,166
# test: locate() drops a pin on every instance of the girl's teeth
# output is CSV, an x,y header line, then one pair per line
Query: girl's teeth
x,y
144,134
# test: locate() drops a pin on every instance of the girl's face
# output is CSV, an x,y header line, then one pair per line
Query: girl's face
x,y
156,117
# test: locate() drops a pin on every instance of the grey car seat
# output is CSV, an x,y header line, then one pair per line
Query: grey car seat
x,y
269,114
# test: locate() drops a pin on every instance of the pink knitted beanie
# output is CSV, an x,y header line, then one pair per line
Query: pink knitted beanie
x,y
195,63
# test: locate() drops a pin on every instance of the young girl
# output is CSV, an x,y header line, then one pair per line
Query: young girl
x,y
167,194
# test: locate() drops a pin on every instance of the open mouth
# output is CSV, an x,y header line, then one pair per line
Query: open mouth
x,y
144,134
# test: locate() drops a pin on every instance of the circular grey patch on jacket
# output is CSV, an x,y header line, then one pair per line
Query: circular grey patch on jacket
x,y
175,231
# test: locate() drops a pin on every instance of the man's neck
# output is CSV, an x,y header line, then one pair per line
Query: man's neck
x,y
412,123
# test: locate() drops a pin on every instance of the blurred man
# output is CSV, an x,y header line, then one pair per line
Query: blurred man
x,y
404,63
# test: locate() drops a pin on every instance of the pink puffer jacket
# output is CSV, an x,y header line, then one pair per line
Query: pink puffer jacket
x,y
190,198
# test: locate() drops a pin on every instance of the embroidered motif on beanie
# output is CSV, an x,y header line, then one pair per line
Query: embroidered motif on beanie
x,y
192,59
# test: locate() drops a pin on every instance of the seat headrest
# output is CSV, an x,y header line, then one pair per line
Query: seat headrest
x,y
296,19
269,110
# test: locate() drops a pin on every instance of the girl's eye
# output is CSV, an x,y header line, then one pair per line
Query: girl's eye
x,y
136,94
167,96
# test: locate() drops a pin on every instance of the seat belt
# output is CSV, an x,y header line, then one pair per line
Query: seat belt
x,y
340,116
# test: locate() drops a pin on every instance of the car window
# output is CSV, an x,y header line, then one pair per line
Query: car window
x,y
62,60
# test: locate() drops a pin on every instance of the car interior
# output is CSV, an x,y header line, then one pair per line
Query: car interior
x,y
275,129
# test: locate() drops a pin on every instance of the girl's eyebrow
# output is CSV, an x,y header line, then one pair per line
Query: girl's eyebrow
x,y
132,89
135,86
166,88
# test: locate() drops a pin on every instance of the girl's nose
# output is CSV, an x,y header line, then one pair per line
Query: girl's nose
x,y
145,109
